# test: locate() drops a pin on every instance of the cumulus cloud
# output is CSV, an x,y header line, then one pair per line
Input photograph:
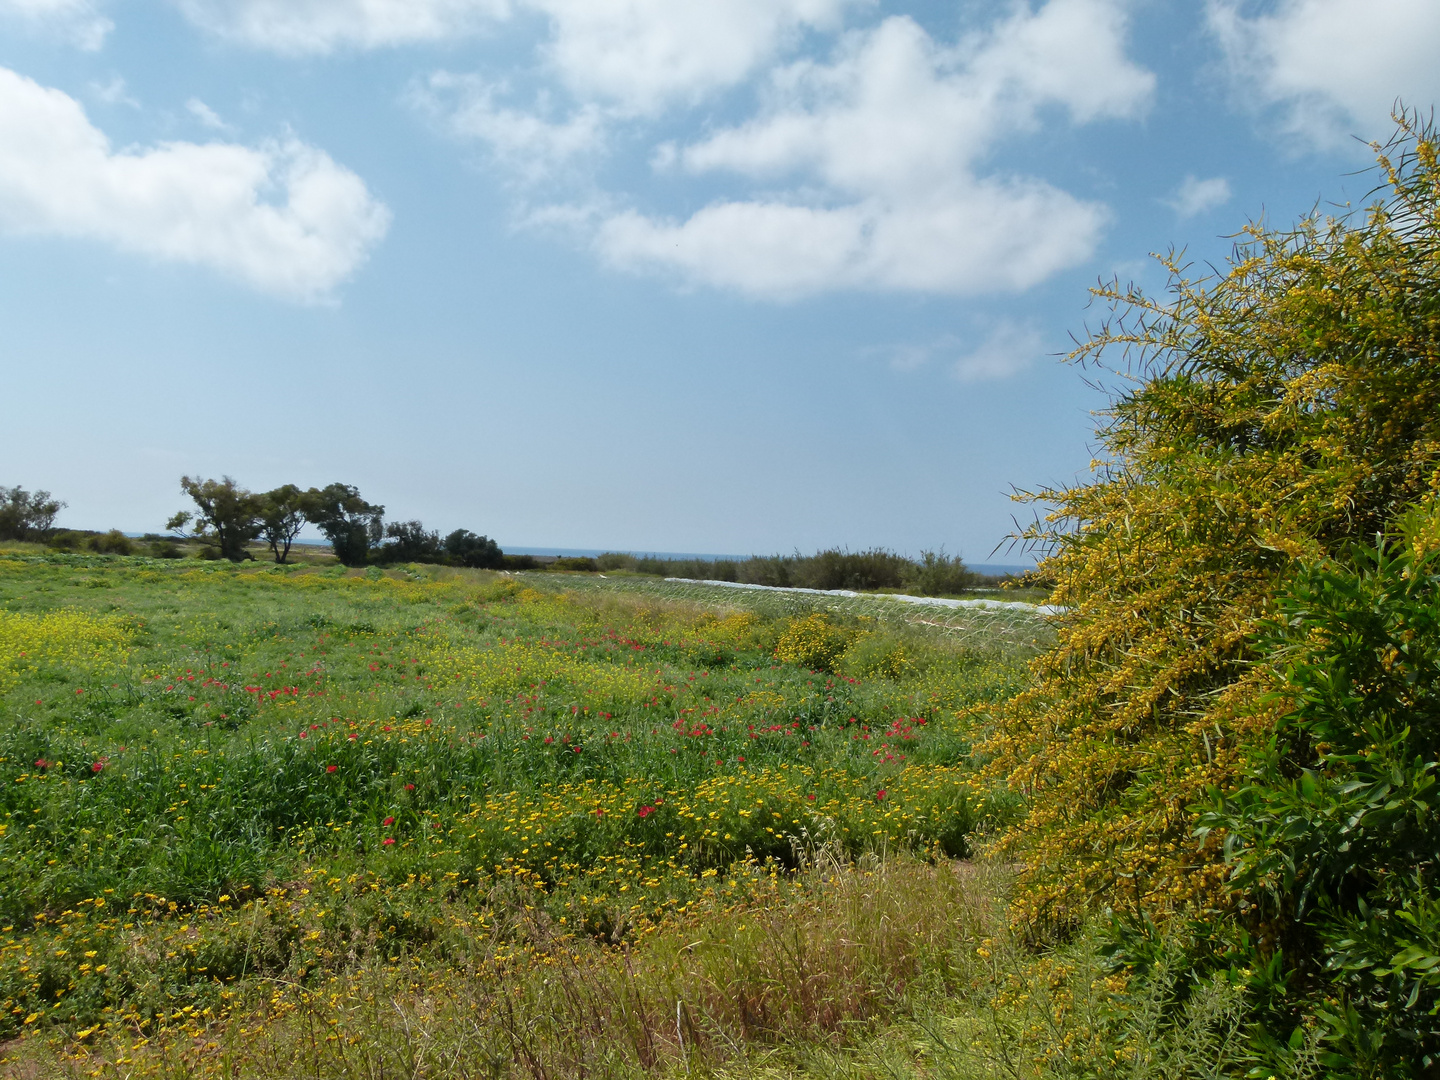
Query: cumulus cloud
x,y
283,217
982,237
643,54
639,54
298,27
1196,196
528,143
885,142
1335,67
873,162
77,21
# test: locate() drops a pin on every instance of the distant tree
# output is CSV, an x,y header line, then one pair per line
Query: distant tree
x,y
470,550
282,516
227,515
349,522
410,541
25,514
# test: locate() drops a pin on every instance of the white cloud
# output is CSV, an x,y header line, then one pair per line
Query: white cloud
x,y
206,115
620,61
1334,66
115,92
1006,350
638,54
77,21
283,217
1197,196
985,237
643,54
299,27
527,143
885,143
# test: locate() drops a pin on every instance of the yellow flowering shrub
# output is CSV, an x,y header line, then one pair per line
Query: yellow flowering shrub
x,y
812,641
1277,412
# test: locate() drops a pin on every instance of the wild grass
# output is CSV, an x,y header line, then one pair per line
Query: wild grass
x,y
430,822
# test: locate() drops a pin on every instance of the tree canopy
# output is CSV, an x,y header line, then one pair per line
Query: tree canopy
x,y
225,513
24,514
350,523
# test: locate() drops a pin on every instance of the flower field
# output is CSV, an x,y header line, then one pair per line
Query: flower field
x,y
225,789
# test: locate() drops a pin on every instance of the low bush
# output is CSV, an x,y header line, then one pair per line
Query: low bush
x,y
939,574
69,540
113,542
933,574
576,563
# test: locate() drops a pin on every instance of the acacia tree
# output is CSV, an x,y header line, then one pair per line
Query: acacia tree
x,y
350,523
282,516
1277,415
24,514
226,515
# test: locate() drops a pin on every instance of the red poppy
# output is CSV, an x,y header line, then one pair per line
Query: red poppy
x,y
331,768
409,787
41,763
880,795
388,840
97,766
388,821
810,797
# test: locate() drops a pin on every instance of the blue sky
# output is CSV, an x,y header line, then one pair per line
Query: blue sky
x,y
732,276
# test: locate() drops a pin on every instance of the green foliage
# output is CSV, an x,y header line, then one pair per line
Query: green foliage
x,y
934,574
479,552
939,574
1276,414
579,563
26,515
1333,839
350,523
113,542
226,515
409,541
282,516
877,655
